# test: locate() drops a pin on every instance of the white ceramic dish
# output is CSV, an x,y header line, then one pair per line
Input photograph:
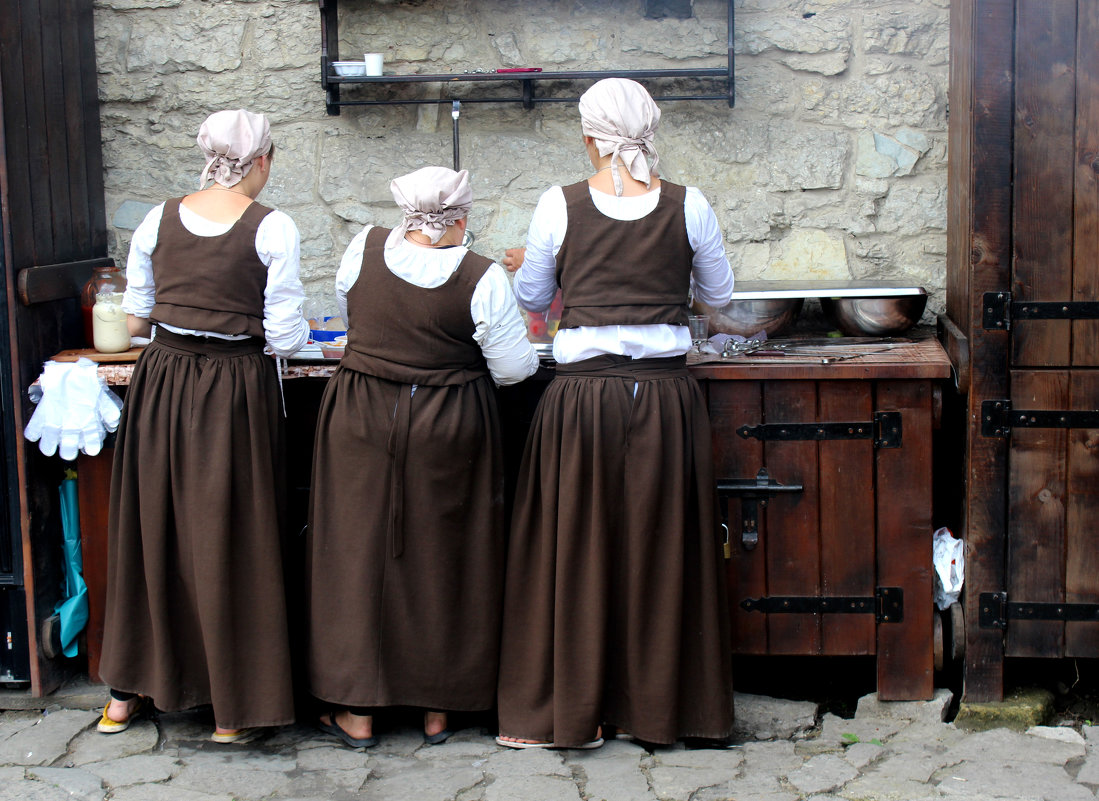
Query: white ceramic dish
x,y
349,69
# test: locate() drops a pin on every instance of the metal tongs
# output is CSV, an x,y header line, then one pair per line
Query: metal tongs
x,y
825,351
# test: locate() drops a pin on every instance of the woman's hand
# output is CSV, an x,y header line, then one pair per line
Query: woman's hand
x,y
513,259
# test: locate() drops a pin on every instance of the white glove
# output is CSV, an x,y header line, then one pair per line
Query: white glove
x,y
90,412
44,427
75,410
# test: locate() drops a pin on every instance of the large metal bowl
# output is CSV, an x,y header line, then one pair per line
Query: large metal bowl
x,y
874,316
749,316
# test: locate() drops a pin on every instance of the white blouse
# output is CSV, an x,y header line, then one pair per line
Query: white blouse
x,y
499,331
536,283
277,245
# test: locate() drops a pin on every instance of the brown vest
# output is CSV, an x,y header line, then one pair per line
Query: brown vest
x,y
209,283
415,335
624,272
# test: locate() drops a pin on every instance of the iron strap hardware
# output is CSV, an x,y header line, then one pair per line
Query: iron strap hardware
x,y
887,604
753,493
884,430
998,418
996,611
999,311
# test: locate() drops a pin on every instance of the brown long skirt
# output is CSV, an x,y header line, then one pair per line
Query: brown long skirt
x,y
195,609
405,545
615,608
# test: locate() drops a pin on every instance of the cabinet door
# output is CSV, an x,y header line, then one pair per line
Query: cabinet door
x,y
1053,501
813,543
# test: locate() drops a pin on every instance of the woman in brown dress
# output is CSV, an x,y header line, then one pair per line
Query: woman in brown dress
x,y
195,609
406,531
614,609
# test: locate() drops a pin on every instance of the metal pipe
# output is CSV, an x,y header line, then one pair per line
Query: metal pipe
x,y
455,111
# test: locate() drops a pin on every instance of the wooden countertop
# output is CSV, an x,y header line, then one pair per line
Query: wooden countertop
x,y
917,356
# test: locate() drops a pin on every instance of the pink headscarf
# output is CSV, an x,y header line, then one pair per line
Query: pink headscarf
x,y
231,140
622,117
432,198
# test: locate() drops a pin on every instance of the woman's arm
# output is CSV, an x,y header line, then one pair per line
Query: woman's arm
x,y
278,246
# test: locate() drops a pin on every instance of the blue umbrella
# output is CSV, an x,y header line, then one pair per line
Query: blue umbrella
x,y
73,611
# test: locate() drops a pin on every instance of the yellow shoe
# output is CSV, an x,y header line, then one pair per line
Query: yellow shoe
x,y
108,725
235,736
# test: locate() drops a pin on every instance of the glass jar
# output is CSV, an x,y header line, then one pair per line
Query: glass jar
x,y
109,331
104,279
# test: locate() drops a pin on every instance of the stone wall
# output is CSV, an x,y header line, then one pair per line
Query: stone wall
x,y
832,163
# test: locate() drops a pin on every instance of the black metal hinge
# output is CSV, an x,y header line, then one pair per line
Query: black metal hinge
x,y
884,430
996,611
998,418
887,604
999,311
753,493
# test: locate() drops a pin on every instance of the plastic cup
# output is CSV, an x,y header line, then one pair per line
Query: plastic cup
x,y
373,63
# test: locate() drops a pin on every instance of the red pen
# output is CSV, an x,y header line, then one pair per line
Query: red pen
x,y
519,69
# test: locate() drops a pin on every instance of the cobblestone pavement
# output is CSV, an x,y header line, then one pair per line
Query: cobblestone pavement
x,y
788,751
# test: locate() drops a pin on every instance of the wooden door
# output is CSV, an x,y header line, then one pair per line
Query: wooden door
x,y
862,520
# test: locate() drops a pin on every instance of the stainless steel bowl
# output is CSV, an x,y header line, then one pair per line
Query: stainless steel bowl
x,y
874,316
749,316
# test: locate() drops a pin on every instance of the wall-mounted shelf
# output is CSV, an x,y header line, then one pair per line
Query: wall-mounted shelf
x,y
527,81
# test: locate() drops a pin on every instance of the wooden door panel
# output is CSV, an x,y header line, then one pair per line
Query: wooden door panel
x,y
847,517
1085,276
792,521
1045,86
1036,513
1082,514
904,530
732,404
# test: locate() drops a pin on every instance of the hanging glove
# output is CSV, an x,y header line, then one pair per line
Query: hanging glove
x,y
44,427
76,409
92,410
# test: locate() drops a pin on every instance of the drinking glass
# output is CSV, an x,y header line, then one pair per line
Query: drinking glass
x,y
699,325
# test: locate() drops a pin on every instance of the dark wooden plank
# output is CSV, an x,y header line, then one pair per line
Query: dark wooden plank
x,y
1045,86
959,185
16,145
992,31
1085,333
1036,513
93,489
1081,531
733,404
847,517
38,214
73,111
905,656
56,281
793,521
56,133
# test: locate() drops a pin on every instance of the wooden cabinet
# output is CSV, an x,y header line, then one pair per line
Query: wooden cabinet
x,y
1023,323
836,560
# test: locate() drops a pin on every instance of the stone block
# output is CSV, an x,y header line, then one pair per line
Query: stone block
x,y
1020,710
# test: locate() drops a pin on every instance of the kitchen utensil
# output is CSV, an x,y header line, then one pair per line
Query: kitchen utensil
x,y
874,316
373,64
699,325
349,69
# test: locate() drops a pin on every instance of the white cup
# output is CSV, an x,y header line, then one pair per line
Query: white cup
x,y
373,63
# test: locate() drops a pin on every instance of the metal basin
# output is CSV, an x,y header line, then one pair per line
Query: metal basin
x,y
749,316
874,316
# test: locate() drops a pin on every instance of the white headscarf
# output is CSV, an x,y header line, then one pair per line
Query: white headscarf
x,y
231,140
622,117
432,198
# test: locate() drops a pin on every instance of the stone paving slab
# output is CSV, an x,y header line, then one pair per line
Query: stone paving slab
x,y
899,751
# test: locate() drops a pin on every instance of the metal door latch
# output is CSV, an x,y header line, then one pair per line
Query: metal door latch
x,y
887,604
884,429
753,493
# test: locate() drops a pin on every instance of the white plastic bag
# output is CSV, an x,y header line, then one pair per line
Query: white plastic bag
x,y
949,559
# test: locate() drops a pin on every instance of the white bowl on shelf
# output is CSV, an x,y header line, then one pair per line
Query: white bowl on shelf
x,y
349,69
